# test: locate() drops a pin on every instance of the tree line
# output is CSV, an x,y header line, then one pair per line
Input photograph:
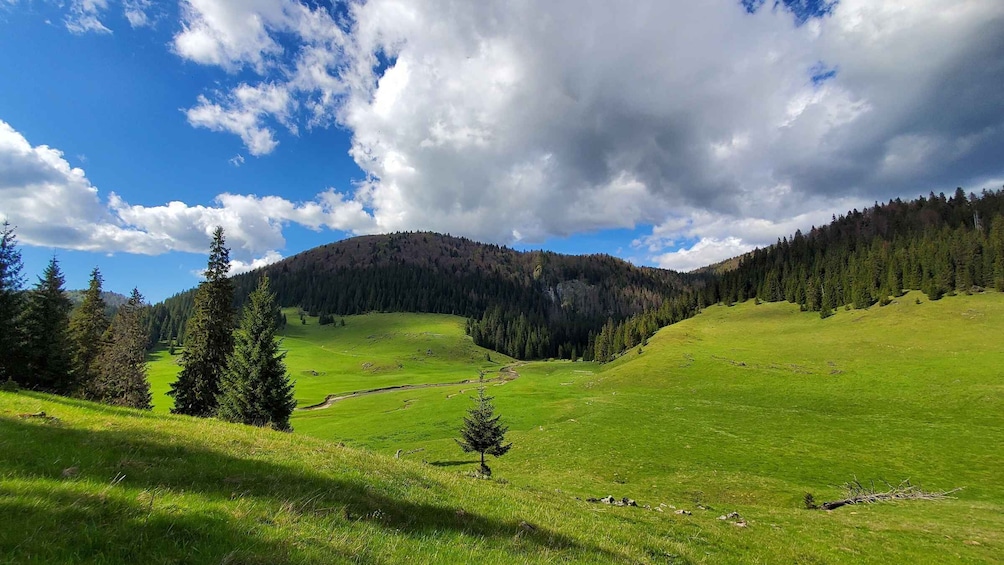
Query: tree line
x,y
527,304
938,245
48,346
230,369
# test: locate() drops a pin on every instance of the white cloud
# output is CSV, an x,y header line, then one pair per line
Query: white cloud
x,y
243,113
137,12
492,118
237,160
237,266
54,204
705,252
84,16
230,33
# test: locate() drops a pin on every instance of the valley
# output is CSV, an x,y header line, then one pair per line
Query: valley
x,y
742,408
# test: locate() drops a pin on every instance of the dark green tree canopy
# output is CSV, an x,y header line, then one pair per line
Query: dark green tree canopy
x,y
87,324
483,431
46,324
209,337
121,368
254,388
11,306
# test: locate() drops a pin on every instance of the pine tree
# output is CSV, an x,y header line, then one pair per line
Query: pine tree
x,y
121,367
208,337
255,388
46,322
483,432
11,307
87,324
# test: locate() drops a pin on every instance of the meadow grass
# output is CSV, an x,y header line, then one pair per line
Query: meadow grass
x,y
742,408
748,408
369,351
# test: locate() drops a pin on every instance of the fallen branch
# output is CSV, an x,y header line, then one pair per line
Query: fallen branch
x,y
860,494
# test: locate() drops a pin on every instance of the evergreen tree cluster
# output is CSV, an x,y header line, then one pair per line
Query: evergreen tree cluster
x,y
527,304
937,245
47,346
238,376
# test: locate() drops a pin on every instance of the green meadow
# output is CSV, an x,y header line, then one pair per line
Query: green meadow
x,y
371,351
739,409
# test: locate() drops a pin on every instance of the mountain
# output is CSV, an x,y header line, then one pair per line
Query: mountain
x,y
113,300
541,304
527,304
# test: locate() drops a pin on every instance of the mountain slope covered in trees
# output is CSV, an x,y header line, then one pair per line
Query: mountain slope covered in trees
x,y
542,304
936,244
525,304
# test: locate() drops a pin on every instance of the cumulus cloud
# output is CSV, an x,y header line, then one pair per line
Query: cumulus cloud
x,y
242,112
722,123
237,266
54,204
545,119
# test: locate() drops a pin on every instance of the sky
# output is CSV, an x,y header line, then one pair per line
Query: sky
x,y
670,133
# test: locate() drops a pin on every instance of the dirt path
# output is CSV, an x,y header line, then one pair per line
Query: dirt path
x,y
506,374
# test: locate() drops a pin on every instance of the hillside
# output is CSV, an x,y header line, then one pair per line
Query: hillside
x,y
551,301
936,244
369,351
739,409
89,483
747,409
113,300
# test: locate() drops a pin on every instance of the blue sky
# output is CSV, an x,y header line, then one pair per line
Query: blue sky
x,y
672,134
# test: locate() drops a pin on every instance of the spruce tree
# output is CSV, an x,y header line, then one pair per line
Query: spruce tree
x,y
11,307
46,322
254,388
483,432
121,367
208,337
87,324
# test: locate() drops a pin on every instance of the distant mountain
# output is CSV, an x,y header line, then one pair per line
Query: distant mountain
x,y
526,304
113,300
542,304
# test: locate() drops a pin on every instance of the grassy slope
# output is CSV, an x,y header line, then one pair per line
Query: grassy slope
x,y
370,351
748,408
104,485
742,408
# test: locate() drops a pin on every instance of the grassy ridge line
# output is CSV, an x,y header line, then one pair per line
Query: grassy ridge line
x,y
106,485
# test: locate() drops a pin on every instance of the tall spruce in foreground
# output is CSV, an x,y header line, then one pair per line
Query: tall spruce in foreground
x,y
483,432
254,388
87,324
47,322
209,337
11,307
121,367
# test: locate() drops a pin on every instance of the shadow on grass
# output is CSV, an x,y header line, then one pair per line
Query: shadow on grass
x,y
454,463
69,522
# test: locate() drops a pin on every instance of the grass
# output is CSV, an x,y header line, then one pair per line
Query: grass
x,y
369,351
742,408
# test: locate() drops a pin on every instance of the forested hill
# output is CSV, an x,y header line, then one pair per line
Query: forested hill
x,y
526,304
936,244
